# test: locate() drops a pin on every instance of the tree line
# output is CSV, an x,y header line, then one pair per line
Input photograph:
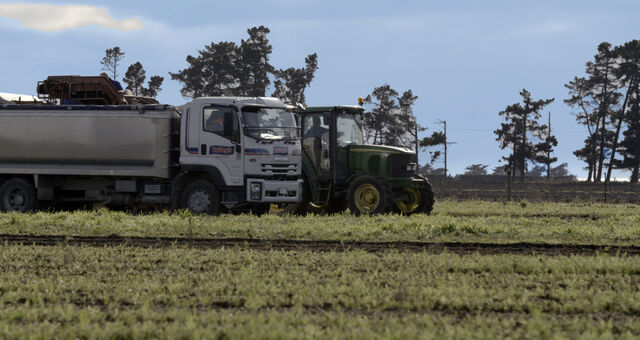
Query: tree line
x,y
230,69
606,101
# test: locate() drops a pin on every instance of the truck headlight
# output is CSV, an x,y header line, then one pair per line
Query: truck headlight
x,y
255,191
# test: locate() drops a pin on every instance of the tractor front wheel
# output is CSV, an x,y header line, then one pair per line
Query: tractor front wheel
x,y
369,195
417,201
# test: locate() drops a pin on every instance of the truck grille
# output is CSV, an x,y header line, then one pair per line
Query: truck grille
x,y
279,169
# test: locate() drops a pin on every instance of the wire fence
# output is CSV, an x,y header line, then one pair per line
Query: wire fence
x,y
561,189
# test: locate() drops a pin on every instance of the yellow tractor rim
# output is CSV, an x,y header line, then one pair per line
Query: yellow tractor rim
x,y
410,206
319,206
367,198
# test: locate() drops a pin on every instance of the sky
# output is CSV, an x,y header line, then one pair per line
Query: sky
x,y
466,60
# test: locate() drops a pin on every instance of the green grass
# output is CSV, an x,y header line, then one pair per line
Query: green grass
x,y
451,221
132,292
122,292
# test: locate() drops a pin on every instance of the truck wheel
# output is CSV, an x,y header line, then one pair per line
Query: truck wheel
x,y
17,194
201,197
369,195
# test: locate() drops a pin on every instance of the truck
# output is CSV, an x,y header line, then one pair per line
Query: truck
x,y
340,171
210,155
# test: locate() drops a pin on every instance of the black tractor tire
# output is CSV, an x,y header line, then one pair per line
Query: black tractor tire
x,y
427,200
369,195
260,209
302,208
336,206
201,197
425,205
18,194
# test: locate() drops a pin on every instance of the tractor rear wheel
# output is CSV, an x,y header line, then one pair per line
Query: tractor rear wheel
x,y
369,195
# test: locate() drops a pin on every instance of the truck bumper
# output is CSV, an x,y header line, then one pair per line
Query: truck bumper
x,y
268,191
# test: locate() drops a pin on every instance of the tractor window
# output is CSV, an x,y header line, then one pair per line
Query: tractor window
x,y
315,142
349,129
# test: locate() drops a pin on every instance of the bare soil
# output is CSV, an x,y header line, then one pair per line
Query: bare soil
x,y
324,245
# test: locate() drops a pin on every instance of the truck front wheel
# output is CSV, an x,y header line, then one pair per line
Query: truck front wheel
x,y
369,195
201,197
17,194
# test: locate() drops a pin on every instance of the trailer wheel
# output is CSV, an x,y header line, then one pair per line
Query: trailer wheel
x,y
201,197
369,195
17,194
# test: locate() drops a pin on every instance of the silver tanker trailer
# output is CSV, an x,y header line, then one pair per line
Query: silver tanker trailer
x,y
215,153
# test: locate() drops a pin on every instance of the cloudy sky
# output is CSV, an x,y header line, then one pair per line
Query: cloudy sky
x,y
466,60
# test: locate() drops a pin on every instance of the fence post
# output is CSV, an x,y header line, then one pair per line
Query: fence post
x,y
509,186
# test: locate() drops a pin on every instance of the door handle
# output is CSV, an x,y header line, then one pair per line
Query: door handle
x,y
203,149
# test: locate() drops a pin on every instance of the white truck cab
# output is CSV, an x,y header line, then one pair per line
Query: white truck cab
x,y
248,147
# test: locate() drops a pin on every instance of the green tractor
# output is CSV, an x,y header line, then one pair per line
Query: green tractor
x,y
341,172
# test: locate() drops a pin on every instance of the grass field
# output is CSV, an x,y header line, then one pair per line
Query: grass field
x,y
451,221
125,292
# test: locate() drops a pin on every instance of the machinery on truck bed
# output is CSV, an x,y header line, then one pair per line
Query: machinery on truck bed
x,y
218,153
340,171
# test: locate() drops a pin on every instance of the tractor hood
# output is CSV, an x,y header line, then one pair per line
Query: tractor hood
x,y
381,160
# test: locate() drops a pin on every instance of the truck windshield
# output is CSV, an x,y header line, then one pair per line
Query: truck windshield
x,y
269,123
349,129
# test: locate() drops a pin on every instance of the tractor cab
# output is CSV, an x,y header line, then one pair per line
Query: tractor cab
x,y
328,132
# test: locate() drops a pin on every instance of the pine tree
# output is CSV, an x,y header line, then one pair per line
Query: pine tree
x,y
405,127
212,73
597,98
520,130
153,87
628,76
228,69
111,60
377,122
631,142
253,64
437,138
291,83
134,78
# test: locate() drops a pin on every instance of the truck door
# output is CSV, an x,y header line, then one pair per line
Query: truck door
x,y
220,142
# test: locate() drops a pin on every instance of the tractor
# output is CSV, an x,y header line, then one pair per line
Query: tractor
x,y
340,171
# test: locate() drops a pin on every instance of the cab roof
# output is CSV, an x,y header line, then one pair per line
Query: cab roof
x,y
316,109
242,101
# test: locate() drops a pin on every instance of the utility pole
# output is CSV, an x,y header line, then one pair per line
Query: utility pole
x,y
417,141
444,124
549,151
